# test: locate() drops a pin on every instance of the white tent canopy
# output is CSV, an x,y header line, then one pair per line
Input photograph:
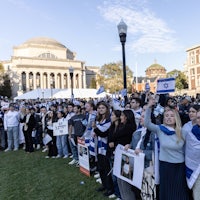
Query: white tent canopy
x,y
79,93
38,93
60,93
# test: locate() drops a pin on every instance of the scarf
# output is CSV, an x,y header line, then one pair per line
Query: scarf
x,y
196,131
192,156
26,122
167,131
143,133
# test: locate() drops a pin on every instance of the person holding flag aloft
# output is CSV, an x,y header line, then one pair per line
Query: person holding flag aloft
x,y
172,166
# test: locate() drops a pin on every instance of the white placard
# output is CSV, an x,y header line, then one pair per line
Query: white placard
x,y
60,128
128,166
46,139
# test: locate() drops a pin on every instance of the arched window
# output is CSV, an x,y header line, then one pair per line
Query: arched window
x,y
47,56
23,77
30,81
38,84
52,80
59,81
77,81
65,81
45,83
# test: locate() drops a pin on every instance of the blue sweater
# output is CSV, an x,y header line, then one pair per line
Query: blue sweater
x,y
171,147
148,150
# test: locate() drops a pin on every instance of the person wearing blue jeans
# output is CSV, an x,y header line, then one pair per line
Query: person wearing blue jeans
x,y
62,146
76,123
61,140
11,125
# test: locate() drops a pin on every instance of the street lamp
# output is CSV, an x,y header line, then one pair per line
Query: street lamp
x,y
122,30
71,73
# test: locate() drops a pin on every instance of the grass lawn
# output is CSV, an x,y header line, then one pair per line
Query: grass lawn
x,y
32,177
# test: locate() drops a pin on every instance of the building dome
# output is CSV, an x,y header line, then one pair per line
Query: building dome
x,y
43,41
155,66
155,70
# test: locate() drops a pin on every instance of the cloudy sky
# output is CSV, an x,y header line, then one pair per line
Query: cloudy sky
x,y
158,30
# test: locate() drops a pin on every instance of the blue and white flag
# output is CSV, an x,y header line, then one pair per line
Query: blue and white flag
x,y
116,104
100,90
147,87
123,92
165,85
76,102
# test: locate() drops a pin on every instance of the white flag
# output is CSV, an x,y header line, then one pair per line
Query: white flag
x,y
100,90
165,85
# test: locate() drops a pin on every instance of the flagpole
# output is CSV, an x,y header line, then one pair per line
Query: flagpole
x,y
136,76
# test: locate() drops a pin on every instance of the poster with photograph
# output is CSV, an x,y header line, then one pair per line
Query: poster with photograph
x,y
83,155
60,128
128,166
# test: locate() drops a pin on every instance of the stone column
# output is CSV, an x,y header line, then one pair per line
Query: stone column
x,y
48,81
84,79
80,80
41,81
62,81
34,81
68,81
56,80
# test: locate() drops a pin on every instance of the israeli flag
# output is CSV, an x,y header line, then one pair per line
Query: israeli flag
x,y
116,104
165,85
147,87
100,90
76,102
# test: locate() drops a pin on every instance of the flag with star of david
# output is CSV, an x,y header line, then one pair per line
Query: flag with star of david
x,y
165,85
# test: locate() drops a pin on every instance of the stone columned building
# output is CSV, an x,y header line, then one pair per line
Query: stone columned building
x,y
43,63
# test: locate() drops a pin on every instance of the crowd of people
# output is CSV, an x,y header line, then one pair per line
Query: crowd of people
x,y
162,127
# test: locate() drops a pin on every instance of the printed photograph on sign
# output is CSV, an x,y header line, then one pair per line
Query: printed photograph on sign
x,y
83,155
82,151
127,166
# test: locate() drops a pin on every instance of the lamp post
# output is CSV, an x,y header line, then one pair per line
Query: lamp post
x,y
122,30
71,73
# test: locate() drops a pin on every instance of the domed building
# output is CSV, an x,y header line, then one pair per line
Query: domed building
x,y
153,73
44,63
156,70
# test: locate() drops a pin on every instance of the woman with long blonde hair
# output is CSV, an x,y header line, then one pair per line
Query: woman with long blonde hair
x,y
171,157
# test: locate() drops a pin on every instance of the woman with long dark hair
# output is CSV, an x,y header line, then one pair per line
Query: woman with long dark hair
x,y
52,148
123,136
115,124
